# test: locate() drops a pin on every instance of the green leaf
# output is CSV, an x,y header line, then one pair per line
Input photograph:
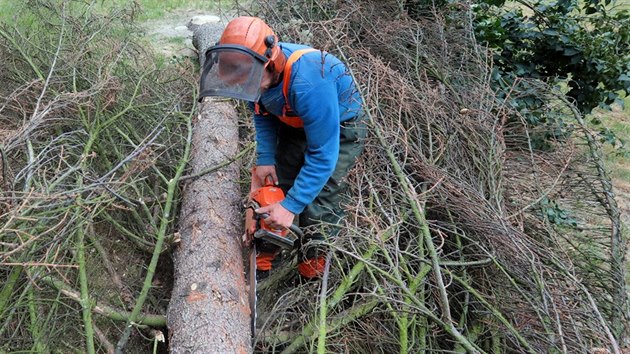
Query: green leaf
x,y
550,32
570,52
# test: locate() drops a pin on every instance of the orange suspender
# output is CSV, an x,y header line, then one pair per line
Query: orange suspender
x,y
293,121
287,69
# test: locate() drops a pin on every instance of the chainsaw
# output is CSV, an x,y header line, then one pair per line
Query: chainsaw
x,y
260,230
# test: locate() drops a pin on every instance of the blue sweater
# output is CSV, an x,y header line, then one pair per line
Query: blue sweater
x,y
323,94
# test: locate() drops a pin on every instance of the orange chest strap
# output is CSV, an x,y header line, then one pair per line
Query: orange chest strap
x,y
295,56
287,117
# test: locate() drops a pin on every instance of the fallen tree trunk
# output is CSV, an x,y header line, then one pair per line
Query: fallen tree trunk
x,y
209,310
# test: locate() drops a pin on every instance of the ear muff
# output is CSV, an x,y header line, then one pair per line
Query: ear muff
x,y
270,42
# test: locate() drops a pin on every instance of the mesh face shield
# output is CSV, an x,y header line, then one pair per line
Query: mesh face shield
x,y
232,71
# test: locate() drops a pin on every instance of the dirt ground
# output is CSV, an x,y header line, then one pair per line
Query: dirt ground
x,y
619,168
171,35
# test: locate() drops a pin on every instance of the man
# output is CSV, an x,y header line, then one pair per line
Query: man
x,y
309,128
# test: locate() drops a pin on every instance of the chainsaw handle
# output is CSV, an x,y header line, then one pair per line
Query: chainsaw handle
x,y
296,230
293,228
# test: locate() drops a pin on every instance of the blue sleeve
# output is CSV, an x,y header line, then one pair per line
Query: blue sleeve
x,y
266,139
319,109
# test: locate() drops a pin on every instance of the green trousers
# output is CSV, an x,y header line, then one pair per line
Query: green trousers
x,y
319,218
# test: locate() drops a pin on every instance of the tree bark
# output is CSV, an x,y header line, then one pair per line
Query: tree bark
x,y
206,33
209,310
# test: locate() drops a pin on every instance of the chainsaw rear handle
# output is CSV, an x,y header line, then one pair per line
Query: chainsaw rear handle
x,y
293,228
297,231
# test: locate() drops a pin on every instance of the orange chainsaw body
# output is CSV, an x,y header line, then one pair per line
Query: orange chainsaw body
x,y
265,196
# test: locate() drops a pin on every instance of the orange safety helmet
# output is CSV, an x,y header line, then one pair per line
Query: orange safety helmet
x,y
255,34
235,66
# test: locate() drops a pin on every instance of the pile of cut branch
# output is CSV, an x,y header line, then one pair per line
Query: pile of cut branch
x,y
464,233
94,138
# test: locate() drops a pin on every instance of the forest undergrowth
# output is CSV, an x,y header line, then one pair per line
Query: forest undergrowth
x,y
94,129
468,228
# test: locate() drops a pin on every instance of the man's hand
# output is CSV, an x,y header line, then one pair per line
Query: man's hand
x,y
260,173
250,227
278,216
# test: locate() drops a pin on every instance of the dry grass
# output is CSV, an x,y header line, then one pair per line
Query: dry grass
x,y
618,155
